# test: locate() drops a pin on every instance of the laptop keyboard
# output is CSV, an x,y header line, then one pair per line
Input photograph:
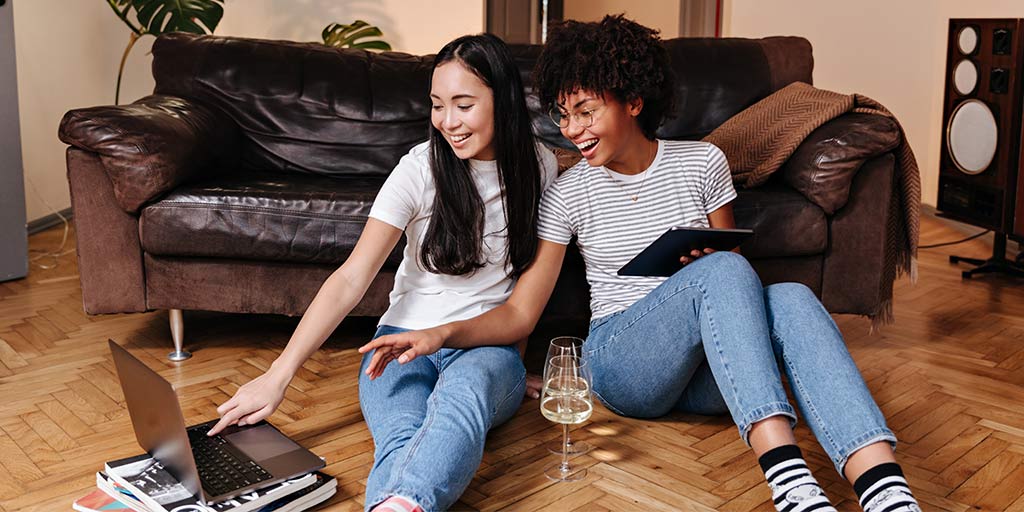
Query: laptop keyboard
x,y
220,472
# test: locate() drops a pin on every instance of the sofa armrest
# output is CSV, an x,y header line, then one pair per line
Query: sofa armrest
x,y
153,145
108,247
823,166
854,263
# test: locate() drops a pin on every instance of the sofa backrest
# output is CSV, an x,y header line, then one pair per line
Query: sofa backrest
x,y
307,107
303,106
718,78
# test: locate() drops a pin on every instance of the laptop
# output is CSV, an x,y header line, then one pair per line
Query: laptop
x,y
235,461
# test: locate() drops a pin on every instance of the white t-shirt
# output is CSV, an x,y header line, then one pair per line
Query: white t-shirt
x,y
421,299
685,182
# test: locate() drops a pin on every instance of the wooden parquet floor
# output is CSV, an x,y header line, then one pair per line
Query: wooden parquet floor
x,y
948,375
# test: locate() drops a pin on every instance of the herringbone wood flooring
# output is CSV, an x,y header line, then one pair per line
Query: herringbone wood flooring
x,y
947,375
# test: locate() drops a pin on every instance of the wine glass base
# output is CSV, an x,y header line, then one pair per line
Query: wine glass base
x,y
572,474
575,448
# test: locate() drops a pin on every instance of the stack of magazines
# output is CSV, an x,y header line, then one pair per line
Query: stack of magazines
x,y
141,483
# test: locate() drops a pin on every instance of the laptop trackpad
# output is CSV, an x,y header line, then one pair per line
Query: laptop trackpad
x,y
262,442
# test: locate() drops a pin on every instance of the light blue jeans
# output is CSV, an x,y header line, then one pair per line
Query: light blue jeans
x,y
429,419
711,339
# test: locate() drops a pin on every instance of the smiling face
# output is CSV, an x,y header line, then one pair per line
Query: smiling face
x,y
462,109
615,133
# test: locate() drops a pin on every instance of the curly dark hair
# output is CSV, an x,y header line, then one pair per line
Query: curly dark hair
x,y
616,55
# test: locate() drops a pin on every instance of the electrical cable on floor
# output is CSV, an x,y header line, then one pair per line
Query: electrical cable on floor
x,y
57,253
943,244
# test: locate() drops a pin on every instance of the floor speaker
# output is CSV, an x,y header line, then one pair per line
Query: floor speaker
x,y
981,119
981,136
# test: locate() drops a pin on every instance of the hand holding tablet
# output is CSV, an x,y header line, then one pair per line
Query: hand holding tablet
x,y
661,258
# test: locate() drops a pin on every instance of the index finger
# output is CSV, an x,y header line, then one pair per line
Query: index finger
x,y
386,340
228,419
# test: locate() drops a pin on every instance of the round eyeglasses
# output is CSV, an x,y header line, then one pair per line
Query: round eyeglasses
x,y
583,118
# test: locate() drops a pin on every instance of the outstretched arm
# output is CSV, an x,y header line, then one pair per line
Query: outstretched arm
x,y
504,325
340,293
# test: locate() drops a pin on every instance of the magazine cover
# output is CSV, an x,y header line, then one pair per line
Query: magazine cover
x,y
98,501
147,479
116,491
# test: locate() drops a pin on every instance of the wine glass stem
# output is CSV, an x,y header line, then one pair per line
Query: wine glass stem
x,y
565,448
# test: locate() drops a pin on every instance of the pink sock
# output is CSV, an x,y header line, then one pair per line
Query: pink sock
x,y
398,504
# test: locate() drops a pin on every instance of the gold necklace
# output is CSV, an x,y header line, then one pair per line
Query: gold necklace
x,y
635,196
643,180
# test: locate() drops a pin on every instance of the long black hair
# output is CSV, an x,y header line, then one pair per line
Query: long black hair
x,y
453,243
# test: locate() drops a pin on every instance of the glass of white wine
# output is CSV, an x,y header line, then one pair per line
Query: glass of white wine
x,y
566,346
566,399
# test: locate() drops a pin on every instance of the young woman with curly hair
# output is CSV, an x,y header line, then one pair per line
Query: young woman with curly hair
x,y
710,339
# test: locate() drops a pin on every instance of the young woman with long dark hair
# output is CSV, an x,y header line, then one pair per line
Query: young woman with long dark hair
x,y
467,202
709,339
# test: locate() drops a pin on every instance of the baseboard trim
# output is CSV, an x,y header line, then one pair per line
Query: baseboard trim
x,y
928,210
49,221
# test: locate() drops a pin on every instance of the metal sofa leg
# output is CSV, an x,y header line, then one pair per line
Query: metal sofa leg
x,y
178,335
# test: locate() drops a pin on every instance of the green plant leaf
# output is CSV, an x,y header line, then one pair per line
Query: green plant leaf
x,y
337,31
373,45
340,35
161,16
351,37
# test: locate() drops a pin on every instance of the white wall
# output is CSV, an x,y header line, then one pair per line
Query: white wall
x,y
892,51
659,14
68,53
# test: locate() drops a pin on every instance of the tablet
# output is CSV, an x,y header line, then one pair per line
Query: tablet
x,y
661,258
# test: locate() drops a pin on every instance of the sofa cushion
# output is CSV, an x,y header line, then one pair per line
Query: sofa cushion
x,y
785,223
263,216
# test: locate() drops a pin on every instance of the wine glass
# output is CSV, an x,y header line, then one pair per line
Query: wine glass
x,y
566,346
566,399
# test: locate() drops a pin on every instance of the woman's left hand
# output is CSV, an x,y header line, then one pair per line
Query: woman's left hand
x,y
694,254
404,347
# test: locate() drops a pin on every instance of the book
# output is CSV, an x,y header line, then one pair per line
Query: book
x,y
159,491
98,501
114,490
319,492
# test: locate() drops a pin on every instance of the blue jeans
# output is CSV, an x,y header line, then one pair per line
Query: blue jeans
x,y
711,339
429,419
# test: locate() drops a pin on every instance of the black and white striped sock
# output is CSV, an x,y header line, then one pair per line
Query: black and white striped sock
x,y
794,489
884,488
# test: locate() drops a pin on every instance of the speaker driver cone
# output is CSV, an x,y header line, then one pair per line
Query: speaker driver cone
x,y
965,77
967,40
972,136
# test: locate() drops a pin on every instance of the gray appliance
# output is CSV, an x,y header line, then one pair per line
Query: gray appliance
x,y
13,235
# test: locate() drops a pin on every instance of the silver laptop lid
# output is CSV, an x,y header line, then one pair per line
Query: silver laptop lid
x,y
156,418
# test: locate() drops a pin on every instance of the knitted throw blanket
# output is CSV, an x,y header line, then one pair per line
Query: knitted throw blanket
x,y
760,139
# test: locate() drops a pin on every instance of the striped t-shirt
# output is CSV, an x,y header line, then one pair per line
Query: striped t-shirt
x,y
687,181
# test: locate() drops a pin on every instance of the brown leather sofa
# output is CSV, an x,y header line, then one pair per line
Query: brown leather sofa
x,y
246,178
